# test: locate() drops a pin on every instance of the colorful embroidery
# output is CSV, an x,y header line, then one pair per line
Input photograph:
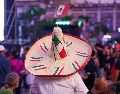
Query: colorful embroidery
x,y
69,44
60,71
56,71
41,68
37,66
82,55
42,48
37,58
77,64
63,40
66,42
45,46
74,66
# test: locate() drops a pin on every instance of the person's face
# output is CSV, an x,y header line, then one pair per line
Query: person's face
x,y
3,52
117,47
117,54
16,83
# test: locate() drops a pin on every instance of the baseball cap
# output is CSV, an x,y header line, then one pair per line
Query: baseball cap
x,y
2,48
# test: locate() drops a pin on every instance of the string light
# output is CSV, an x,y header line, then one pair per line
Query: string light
x,y
63,23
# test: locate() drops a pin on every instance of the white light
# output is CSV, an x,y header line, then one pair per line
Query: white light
x,y
1,20
63,22
107,36
119,29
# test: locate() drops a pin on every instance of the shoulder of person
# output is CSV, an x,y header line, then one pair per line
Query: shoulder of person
x,y
6,91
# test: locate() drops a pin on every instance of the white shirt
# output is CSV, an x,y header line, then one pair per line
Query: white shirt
x,y
65,85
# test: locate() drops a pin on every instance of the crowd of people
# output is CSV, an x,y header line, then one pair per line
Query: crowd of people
x,y
103,68
101,75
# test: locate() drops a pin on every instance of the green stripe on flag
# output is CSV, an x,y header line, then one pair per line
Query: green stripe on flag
x,y
56,41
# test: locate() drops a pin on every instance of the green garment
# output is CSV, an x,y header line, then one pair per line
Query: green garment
x,y
6,91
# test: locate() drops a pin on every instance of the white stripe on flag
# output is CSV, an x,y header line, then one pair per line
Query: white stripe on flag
x,y
59,47
60,9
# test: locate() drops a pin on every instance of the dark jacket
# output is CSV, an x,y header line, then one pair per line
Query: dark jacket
x,y
117,66
4,69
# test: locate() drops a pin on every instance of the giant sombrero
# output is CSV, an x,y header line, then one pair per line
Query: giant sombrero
x,y
57,55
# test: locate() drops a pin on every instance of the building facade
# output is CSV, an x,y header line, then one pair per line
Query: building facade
x,y
107,13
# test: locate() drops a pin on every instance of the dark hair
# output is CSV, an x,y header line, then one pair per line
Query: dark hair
x,y
12,79
115,87
99,45
0,52
15,54
93,52
26,48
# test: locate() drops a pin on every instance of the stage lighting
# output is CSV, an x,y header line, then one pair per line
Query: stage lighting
x,y
63,23
1,20
119,29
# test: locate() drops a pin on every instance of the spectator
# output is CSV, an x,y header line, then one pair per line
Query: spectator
x,y
25,83
12,82
102,59
90,71
117,67
68,81
117,47
25,50
101,86
67,85
16,66
108,52
4,66
115,87
16,63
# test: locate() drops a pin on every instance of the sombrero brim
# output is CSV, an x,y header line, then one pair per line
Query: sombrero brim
x,y
38,61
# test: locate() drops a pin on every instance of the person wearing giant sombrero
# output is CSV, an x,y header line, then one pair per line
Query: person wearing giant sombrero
x,y
55,61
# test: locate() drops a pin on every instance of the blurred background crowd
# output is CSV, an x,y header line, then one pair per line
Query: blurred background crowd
x,y
96,21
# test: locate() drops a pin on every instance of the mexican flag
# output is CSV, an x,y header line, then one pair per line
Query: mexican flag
x,y
62,9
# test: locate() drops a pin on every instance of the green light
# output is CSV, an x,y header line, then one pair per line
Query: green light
x,y
80,22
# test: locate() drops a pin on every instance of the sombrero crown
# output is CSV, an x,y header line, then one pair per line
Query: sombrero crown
x,y
57,55
58,49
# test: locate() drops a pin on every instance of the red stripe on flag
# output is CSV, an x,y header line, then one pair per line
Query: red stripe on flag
x,y
62,9
63,53
65,9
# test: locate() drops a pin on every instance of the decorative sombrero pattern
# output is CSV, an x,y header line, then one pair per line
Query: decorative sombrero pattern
x,y
57,55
